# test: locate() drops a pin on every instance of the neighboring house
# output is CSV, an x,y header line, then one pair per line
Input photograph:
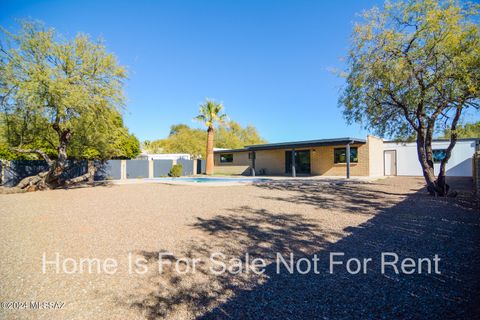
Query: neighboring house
x,y
328,157
163,156
400,158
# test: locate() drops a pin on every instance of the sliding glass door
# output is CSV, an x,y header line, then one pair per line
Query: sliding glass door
x,y
302,161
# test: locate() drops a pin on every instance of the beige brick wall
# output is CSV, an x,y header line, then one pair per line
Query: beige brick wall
x,y
240,158
322,162
272,161
240,164
228,170
375,156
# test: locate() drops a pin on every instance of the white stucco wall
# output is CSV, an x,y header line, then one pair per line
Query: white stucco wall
x,y
460,163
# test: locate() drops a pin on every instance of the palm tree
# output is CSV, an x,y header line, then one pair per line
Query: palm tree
x,y
210,114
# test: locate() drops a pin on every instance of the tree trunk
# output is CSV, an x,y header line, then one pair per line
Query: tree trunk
x,y
89,176
49,179
442,186
438,186
53,178
210,163
427,166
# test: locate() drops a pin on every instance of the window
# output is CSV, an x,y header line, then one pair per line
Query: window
x,y
439,155
340,155
226,158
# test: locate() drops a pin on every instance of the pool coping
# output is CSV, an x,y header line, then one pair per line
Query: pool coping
x,y
241,183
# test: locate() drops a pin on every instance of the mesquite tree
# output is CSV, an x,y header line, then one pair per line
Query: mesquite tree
x,y
414,67
57,95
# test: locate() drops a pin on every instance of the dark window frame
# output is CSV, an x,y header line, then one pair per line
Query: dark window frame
x,y
223,160
436,159
353,155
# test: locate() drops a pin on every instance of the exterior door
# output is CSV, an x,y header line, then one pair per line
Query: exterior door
x,y
390,162
302,161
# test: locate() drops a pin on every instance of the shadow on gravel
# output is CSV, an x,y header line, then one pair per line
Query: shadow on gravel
x,y
259,233
354,197
358,196
418,227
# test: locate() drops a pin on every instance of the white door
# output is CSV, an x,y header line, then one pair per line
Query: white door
x,y
390,162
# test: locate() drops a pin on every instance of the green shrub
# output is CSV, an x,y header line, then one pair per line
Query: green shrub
x,y
176,171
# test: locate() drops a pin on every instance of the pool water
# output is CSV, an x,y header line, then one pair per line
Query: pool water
x,y
213,180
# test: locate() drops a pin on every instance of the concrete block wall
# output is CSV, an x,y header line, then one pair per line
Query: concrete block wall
x,y
161,168
11,172
188,167
138,169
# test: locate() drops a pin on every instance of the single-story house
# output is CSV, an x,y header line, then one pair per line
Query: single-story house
x,y
329,157
339,157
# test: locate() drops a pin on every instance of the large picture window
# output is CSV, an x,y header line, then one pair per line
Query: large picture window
x,y
340,155
226,158
439,155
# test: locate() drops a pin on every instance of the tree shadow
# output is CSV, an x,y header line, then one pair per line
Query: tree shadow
x,y
258,232
353,196
418,226
359,196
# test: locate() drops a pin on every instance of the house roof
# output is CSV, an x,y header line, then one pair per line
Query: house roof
x,y
298,144
230,150
307,143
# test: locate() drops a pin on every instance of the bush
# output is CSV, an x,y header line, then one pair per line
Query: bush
x,y
176,171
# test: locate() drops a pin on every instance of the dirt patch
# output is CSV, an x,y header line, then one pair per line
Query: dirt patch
x,y
139,221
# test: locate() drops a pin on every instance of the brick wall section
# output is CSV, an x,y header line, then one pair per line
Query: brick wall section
x,y
272,162
476,172
240,164
322,161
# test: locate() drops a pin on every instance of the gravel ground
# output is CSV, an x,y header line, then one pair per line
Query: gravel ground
x,y
136,222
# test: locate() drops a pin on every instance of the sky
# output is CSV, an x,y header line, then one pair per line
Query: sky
x,y
269,62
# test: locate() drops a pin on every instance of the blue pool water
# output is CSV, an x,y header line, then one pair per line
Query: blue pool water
x,y
211,179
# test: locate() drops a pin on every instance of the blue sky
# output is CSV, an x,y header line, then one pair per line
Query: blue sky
x,y
269,62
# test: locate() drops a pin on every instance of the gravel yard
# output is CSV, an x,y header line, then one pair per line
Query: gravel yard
x,y
123,224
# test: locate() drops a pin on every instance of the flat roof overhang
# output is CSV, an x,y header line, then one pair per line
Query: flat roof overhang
x,y
297,144
306,144
231,150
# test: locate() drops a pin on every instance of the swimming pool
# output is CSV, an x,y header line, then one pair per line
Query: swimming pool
x,y
213,180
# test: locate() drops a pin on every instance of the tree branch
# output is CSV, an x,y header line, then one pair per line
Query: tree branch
x,y
35,151
453,141
404,109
